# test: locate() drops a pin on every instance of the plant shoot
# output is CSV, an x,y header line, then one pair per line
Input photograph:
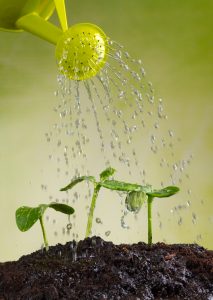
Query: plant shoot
x,y
27,216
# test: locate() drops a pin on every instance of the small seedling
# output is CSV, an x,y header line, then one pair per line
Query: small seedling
x,y
135,200
97,186
26,216
136,195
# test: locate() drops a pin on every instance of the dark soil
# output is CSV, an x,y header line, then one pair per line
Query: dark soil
x,y
95,269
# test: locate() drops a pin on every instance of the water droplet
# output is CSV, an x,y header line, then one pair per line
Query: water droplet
x,y
156,125
199,237
56,93
171,134
194,218
69,226
107,233
153,139
123,223
189,192
180,221
126,54
98,221
63,114
43,187
175,167
121,94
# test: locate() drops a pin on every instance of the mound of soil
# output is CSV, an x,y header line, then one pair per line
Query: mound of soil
x,y
95,269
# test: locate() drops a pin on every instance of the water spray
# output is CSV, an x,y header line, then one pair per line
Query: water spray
x,y
81,50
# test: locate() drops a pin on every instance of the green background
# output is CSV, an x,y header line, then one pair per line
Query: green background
x,y
174,41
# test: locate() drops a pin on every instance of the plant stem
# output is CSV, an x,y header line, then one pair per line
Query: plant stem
x,y
44,233
150,199
92,207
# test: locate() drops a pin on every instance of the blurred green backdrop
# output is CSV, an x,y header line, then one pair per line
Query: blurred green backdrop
x,y
174,41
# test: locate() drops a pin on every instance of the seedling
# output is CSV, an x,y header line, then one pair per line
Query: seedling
x,y
97,186
26,216
136,195
135,200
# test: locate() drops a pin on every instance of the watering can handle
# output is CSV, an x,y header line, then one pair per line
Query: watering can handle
x,y
61,11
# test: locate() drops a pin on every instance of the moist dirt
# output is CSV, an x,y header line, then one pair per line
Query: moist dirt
x,y
96,269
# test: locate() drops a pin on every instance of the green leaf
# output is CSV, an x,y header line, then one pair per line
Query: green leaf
x,y
107,173
63,208
123,186
27,216
76,181
135,200
165,192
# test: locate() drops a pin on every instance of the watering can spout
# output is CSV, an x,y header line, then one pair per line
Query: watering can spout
x,y
32,16
38,26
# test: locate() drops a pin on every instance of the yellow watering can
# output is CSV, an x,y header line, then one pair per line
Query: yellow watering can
x,y
81,50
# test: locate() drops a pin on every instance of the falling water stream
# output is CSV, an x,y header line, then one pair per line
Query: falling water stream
x,y
115,119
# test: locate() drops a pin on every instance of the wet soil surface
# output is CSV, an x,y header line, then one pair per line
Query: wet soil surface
x,y
95,269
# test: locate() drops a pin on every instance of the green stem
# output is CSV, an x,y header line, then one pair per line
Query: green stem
x,y
44,234
92,207
150,199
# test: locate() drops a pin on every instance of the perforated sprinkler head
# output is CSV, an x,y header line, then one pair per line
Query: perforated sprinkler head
x,y
81,51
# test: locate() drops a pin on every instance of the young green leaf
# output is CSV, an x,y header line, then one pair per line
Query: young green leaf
x,y
165,192
107,173
123,186
26,216
76,181
63,208
135,200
